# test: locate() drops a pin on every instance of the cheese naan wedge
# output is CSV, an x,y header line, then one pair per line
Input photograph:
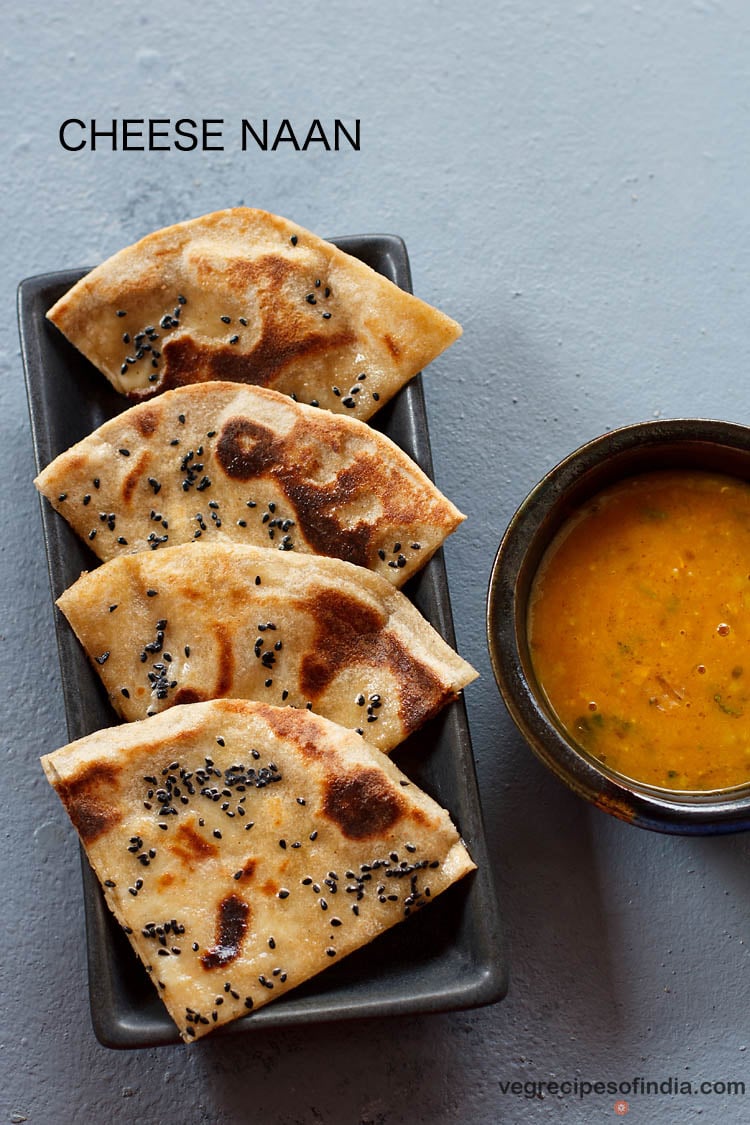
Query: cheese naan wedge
x,y
224,463
249,297
244,848
192,623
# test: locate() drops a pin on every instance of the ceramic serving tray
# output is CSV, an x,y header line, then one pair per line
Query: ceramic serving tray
x,y
447,957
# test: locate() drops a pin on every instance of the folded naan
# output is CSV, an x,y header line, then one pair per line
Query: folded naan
x,y
244,848
211,621
249,297
220,462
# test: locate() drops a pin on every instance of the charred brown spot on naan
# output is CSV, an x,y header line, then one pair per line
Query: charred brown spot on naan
x,y
190,847
316,506
224,661
247,871
345,633
77,463
135,475
189,695
246,450
362,804
296,727
231,927
392,346
87,797
146,421
348,633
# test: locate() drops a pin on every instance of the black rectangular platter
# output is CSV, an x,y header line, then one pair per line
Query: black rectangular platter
x,y
448,957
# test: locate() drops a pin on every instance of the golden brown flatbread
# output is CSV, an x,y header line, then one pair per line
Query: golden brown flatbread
x,y
225,463
211,621
248,297
244,848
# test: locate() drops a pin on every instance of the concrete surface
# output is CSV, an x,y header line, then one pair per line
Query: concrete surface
x,y
571,181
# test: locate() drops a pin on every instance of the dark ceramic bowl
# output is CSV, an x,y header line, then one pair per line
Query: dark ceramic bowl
x,y
681,443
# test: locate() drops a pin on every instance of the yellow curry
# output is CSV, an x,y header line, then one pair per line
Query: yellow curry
x,y
639,624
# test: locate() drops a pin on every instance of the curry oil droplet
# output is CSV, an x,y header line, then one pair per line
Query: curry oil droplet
x,y
592,706
701,669
723,629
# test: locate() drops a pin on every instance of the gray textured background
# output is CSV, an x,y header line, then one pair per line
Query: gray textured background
x,y
571,181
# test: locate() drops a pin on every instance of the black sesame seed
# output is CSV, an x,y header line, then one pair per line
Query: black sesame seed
x,y
121,312
283,893
124,452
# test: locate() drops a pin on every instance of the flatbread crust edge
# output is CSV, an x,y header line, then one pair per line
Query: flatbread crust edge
x,y
229,912
344,633
248,296
340,487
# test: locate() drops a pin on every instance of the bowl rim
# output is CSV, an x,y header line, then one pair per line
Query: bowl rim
x,y
663,810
